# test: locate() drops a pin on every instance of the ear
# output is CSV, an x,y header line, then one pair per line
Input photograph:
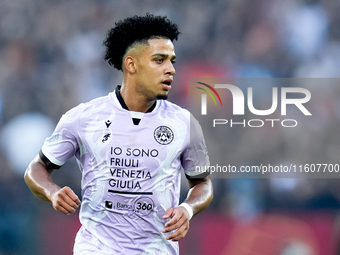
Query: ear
x,y
130,64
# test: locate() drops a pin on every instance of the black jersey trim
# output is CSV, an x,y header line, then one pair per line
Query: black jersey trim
x,y
130,192
152,107
48,163
135,121
120,98
123,104
199,176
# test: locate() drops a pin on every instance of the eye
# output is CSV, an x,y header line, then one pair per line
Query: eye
x,y
159,60
173,61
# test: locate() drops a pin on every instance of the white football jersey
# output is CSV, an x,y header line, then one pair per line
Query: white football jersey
x,y
130,171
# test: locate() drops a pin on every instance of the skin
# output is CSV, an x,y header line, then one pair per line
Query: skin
x,y
145,68
38,179
199,197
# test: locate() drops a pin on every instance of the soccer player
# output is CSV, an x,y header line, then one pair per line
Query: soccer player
x,y
130,146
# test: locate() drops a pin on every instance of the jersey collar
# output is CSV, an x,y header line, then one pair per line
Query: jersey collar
x,y
123,104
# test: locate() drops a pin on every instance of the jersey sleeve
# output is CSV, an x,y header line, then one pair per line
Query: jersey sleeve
x,y
195,160
62,144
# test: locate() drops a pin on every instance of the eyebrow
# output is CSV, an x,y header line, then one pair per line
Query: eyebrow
x,y
163,56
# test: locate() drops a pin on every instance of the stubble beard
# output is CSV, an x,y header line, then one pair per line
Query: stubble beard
x,y
162,96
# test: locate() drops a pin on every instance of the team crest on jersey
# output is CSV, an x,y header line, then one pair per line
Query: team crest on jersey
x,y
163,135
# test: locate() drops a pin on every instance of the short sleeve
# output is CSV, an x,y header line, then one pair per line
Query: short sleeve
x,y
62,144
195,159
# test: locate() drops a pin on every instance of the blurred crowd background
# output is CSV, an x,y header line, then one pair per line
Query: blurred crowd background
x,y
51,59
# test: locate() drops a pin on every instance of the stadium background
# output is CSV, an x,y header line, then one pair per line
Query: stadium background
x,y
51,60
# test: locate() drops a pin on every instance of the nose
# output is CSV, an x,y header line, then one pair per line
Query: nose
x,y
170,68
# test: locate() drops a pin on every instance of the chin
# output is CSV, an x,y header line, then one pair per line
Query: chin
x,y
162,96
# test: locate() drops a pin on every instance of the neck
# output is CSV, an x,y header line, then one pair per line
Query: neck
x,y
135,101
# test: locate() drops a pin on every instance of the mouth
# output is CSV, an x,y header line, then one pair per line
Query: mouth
x,y
167,83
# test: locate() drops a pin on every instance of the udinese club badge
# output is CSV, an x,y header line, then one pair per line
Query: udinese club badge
x,y
163,135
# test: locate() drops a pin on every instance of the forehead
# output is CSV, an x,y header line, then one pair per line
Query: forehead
x,y
160,46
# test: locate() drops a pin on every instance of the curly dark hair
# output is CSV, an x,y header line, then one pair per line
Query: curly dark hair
x,y
136,29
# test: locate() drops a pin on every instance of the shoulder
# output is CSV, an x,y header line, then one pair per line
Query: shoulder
x,y
86,109
182,115
174,109
171,109
96,103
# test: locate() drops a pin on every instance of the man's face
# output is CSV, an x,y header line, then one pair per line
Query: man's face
x,y
155,70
